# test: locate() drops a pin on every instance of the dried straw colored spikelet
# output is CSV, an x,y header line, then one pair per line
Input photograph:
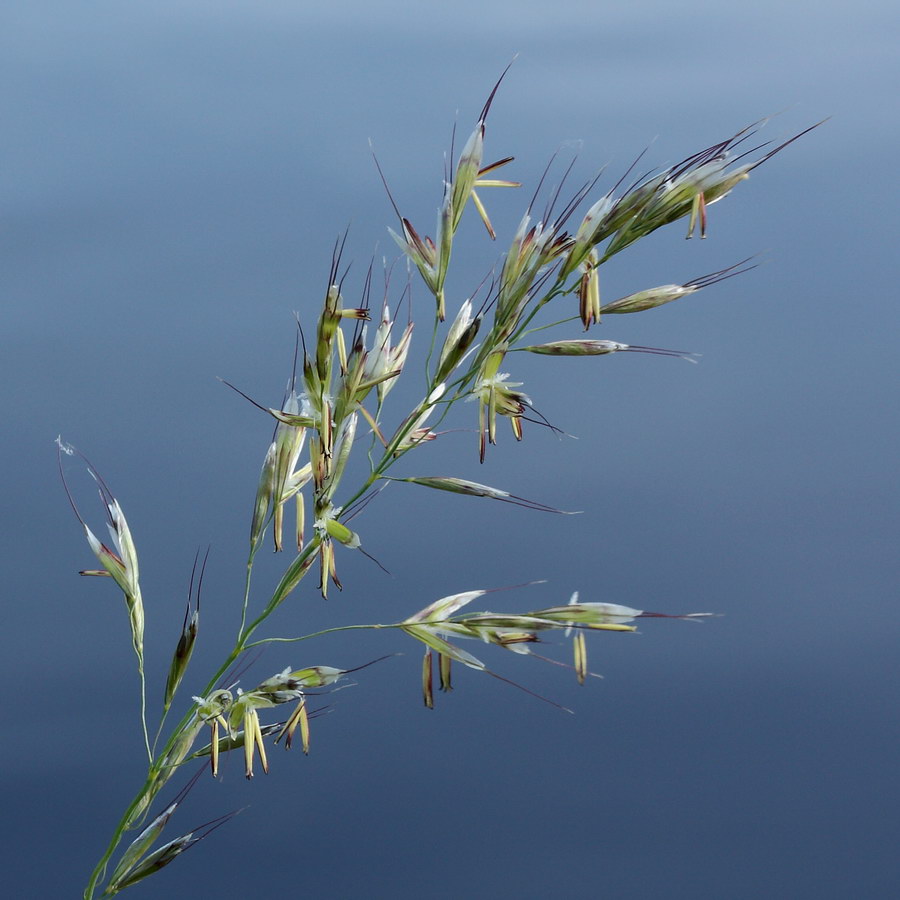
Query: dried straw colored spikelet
x,y
336,396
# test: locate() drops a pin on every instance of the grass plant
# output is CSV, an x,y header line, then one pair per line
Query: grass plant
x,y
336,405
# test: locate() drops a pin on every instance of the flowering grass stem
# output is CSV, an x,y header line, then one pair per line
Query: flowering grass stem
x,y
338,387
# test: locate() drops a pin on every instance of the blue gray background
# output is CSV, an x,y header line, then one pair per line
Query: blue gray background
x,y
174,175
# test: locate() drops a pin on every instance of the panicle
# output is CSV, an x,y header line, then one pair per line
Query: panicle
x,y
441,620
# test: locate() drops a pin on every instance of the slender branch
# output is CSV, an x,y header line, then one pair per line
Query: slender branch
x,y
306,637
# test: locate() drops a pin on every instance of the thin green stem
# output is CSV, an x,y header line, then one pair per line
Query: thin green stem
x,y
246,600
295,571
391,454
144,711
306,637
546,327
434,333
523,324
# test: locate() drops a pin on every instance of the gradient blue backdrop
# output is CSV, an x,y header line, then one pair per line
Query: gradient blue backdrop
x,y
173,177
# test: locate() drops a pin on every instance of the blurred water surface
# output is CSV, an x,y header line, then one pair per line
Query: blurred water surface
x,y
173,178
